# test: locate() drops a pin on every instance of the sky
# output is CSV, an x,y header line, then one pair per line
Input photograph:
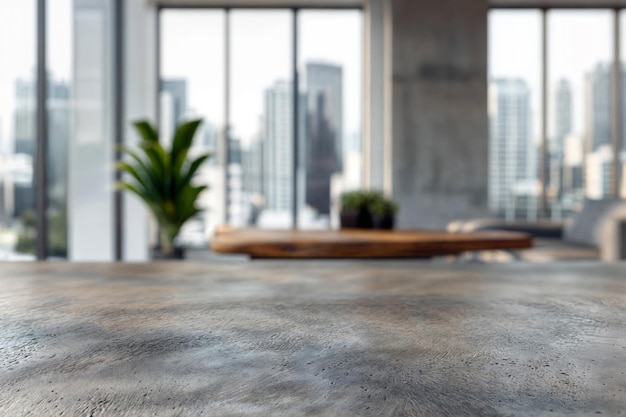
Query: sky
x,y
261,53
18,52
577,41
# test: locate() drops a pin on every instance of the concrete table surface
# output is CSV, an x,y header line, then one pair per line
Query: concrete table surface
x,y
399,338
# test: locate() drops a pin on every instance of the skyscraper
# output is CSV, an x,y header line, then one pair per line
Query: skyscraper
x,y
278,146
58,106
598,106
563,116
562,128
599,129
512,159
324,133
173,98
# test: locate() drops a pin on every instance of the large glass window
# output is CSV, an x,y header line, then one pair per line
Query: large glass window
x,y
579,126
580,66
330,67
78,64
260,170
18,113
622,95
192,86
515,113
250,109
58,104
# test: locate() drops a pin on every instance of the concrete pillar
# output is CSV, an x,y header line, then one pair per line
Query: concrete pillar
x,y
439,111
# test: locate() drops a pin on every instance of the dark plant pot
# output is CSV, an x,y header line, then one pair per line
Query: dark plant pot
x,y
365,220
383,222
158,255
360,220
348,220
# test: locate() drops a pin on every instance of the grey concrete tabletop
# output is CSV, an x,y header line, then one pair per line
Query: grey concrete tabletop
x,y
334,338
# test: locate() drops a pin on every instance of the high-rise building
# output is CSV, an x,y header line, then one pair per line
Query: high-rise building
x,y
562,115
173,96
25,116
598,106
58,106
598,172
562,128
324,134
512,158
278,146
599,129
573,181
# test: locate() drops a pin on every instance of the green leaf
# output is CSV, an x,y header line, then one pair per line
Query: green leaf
x,y
145,168
186,178
147,131
155,208
183,139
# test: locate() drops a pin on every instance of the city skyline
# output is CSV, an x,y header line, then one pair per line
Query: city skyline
x,y
570,178
323,145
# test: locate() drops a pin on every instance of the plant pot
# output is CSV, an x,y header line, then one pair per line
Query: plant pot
x,y
348,220
383,222
360,220
365,220
177,254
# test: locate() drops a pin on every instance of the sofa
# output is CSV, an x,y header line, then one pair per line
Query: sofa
x,y
597,232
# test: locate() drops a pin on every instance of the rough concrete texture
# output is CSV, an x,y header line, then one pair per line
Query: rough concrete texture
x,y
439,117
317,339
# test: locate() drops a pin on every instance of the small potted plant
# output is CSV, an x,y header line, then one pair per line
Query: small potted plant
x,y
351,215
383,213
162,179
355,209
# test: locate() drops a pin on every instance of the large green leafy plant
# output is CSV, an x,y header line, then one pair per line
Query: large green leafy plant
x,y
162,178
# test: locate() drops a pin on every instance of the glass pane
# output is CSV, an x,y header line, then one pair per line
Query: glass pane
x,y
580,46
192,86
17,129
83,53
331,70
514,112
59,56
260,135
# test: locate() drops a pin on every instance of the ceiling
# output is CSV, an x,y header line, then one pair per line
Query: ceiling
x,y
558,3
358,3
273,3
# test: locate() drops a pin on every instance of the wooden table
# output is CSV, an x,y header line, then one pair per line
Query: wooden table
x,y
356,243
338,338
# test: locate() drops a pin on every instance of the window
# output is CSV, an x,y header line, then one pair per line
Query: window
x,y
574,137
579,92
18,121
260,174
192,86
251,53
77,129
515,112
330,52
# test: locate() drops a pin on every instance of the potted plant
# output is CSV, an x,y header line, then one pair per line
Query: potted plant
x,y
383,213
162,179
355,212
351,203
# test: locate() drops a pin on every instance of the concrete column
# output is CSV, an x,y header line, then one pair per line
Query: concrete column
x,y
439,111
